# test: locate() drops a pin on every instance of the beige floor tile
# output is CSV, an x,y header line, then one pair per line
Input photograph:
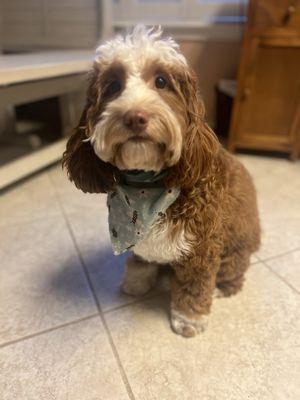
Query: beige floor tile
x,y
42,281
268,171
288,267
280,217
280,234
105,270
278,187
249,351
72,199
254,259
31,200
74,362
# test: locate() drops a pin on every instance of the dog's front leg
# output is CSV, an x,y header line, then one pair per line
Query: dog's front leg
x,y
140,276
192,291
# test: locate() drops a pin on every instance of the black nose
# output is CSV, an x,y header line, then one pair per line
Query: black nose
x,y
136,120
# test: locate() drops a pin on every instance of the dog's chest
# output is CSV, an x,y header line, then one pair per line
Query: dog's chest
x,y
161,246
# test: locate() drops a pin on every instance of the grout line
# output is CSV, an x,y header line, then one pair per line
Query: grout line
x,y
109,336
280,277
69,228
110,339
134,302
54,328
278,255
117,358
100,313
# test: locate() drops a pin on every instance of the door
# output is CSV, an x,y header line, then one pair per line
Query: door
x,y
268,99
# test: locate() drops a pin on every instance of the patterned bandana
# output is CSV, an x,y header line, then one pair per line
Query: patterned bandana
x,y
135,206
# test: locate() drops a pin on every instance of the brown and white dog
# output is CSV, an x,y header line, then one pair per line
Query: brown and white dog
x,y
144,112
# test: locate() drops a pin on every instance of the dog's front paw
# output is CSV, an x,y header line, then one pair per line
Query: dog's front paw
x,y
187,327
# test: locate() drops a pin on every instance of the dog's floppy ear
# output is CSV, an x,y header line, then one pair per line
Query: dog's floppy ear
x,y
85,169
200,144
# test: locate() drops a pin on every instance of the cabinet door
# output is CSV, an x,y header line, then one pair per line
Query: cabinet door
x,y
267,100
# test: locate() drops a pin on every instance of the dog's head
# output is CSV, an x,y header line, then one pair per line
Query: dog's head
x,y
143,112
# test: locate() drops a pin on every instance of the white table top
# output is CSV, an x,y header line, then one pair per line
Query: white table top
x,y
25,67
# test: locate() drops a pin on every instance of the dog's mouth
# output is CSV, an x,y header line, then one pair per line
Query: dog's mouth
x,y
145,138
141,137
139,152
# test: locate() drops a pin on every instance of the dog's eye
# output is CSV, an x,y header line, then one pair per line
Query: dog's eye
x,y
113,88
160,82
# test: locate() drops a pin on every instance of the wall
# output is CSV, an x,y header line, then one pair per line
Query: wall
x,y
49,23
74,24
1,26
212,61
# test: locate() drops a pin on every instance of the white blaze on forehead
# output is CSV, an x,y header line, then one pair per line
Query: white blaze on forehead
x,y
138,46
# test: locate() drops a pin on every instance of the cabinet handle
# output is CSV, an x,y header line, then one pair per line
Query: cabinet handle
x,y
245,94
288,15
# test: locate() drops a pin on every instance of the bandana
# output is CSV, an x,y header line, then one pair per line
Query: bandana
x,y
135,205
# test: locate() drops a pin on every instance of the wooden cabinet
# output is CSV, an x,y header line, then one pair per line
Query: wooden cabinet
x,y
280,15
266,114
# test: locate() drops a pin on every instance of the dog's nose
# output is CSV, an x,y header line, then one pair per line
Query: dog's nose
x,y
136,120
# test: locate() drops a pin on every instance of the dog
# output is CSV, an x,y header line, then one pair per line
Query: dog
x,y
144,115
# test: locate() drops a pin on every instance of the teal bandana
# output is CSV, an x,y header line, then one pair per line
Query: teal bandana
x,y
135,205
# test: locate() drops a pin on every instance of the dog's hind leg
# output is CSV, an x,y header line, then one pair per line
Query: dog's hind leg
x,y
231,275
140,276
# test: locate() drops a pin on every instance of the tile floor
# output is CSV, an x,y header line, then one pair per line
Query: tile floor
x,y
66,331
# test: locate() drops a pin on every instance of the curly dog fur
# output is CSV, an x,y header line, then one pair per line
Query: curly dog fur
x,y
210,232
